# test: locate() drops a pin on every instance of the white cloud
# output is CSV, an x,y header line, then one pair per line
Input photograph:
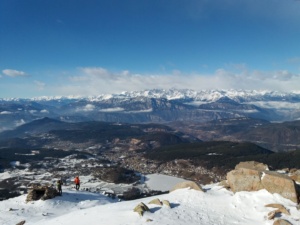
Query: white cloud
x,y
277,104
89,107
13,73
117,109
86,108
141,111
44,111
33,111
5,113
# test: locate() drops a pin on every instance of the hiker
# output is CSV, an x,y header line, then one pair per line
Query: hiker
x,y
58,186
77,183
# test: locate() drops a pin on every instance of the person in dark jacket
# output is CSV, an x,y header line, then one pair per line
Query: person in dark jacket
x,y
58,186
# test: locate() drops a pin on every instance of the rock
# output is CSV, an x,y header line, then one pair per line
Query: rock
x,y
271,215
166,203
187,184
252,165
281,184
41,192
282,222
285,170
149,220
156,202
244,179
293,170
141,209
295,175
21,223
132,193
224,183
280,208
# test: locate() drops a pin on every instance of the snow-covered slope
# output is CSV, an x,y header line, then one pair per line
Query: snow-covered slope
x,y
215,205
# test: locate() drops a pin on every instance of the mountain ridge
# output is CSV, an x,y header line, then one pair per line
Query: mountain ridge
x,y
158,106
170,94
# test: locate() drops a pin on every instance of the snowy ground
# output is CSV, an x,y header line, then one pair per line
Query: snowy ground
x,y
214,206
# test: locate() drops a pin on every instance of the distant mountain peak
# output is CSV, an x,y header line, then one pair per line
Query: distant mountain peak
x,y
226,99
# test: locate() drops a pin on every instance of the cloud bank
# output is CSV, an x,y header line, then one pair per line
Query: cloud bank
x,y
93,81
96,80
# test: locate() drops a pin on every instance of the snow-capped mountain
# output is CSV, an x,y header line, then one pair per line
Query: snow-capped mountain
x,y
154,106
171,94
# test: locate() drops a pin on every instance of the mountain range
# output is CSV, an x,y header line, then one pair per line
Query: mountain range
x,y
158,106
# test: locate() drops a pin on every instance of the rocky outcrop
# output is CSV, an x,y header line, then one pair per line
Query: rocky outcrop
x,y
41,192
253,177
187,184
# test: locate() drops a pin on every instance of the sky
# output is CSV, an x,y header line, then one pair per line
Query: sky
x,y
92,47
215,205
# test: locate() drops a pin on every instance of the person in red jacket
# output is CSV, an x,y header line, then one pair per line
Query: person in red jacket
x,y
77,183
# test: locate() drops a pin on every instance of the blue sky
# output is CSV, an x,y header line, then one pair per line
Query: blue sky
x,y
91,47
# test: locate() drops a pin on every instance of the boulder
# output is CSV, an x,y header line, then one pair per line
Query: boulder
x,y
156,202
252,165
166,203
282,222
281,184
141,209
187,184
41,192
244,179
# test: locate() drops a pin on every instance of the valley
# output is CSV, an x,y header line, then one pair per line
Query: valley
x,y
115,155
118,139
